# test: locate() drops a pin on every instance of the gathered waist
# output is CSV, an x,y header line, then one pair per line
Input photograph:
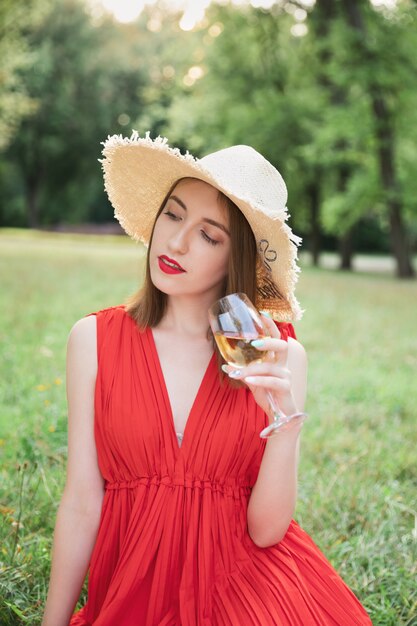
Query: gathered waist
x,y
230,488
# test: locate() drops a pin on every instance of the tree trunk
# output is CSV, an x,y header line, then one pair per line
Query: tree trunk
x,y
346,239
346,250
398,234
328,11
315,233
385,152
32,206
399,243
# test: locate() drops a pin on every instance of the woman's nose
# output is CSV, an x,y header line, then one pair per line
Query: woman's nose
x,y
179,241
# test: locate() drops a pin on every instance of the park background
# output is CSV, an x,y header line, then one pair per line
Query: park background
x,y
327,91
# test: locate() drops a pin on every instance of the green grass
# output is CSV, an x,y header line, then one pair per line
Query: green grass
x,y
358,473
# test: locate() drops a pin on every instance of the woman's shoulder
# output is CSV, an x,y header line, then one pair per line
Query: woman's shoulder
x,y
117,310
85,328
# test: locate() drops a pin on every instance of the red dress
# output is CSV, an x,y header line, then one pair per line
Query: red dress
x,y
172,547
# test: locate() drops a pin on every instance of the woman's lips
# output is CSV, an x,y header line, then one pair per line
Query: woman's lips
x,y
169,266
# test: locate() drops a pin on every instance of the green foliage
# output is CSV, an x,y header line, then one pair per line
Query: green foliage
x,y
81,82
358,479
15,55
240,76
305,103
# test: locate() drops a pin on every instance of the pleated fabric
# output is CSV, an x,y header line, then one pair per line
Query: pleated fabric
x,y
173,547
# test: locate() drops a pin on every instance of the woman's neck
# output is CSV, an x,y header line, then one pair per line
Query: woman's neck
x,y
187,315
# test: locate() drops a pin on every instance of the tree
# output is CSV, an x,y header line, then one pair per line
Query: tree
x,y
15,55
83,78
368,69
381,92
305,103
249,96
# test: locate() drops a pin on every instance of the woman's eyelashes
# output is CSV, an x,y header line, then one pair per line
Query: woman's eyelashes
x,y
205,236
209,239
172,215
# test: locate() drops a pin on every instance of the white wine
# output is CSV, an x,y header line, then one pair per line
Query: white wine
x,y
238,350
235,322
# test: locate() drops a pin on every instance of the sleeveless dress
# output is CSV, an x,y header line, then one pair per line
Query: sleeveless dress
x,y
172,547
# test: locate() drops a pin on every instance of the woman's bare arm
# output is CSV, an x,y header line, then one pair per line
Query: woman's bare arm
x,y
80,507
272,502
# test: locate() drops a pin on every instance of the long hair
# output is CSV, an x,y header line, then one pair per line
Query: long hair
x,y
147,306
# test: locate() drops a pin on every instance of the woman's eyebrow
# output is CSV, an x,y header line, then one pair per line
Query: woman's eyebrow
x,y
214,223
205,219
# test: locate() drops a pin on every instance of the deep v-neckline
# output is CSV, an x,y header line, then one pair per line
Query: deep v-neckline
x,y
164,387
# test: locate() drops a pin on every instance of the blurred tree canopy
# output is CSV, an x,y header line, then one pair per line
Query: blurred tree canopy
x,y
326,92
15,55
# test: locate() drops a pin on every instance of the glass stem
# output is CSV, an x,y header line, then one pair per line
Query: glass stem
x,y
278,415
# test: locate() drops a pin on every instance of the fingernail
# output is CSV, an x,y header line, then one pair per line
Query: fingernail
x,y
266,314
257,343
235,373
224,368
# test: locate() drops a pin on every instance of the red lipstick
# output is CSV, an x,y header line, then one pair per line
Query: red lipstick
x,y
169,266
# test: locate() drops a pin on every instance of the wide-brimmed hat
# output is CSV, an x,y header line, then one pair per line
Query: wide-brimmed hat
x,y
139,172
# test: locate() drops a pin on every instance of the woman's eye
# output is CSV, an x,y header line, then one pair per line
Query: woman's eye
x,y
209,239
171,215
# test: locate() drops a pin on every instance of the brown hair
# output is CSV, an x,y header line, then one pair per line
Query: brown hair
x,y
147,306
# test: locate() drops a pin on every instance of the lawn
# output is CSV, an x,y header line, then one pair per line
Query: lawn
x,y
358,470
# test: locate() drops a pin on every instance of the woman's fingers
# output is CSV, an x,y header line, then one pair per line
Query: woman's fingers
x,y
270,326
258,369
277,349
270,343
269,382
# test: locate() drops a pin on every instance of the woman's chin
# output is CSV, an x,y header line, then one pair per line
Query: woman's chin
x,y
165,286
170,286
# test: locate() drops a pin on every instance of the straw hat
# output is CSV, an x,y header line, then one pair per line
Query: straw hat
x,y
138,173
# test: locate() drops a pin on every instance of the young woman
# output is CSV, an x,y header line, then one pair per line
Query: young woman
x,y
179,510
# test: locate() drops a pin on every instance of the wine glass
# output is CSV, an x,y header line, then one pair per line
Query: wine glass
x,y
235,322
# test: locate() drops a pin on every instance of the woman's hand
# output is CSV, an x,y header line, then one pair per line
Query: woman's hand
x,y
271,375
